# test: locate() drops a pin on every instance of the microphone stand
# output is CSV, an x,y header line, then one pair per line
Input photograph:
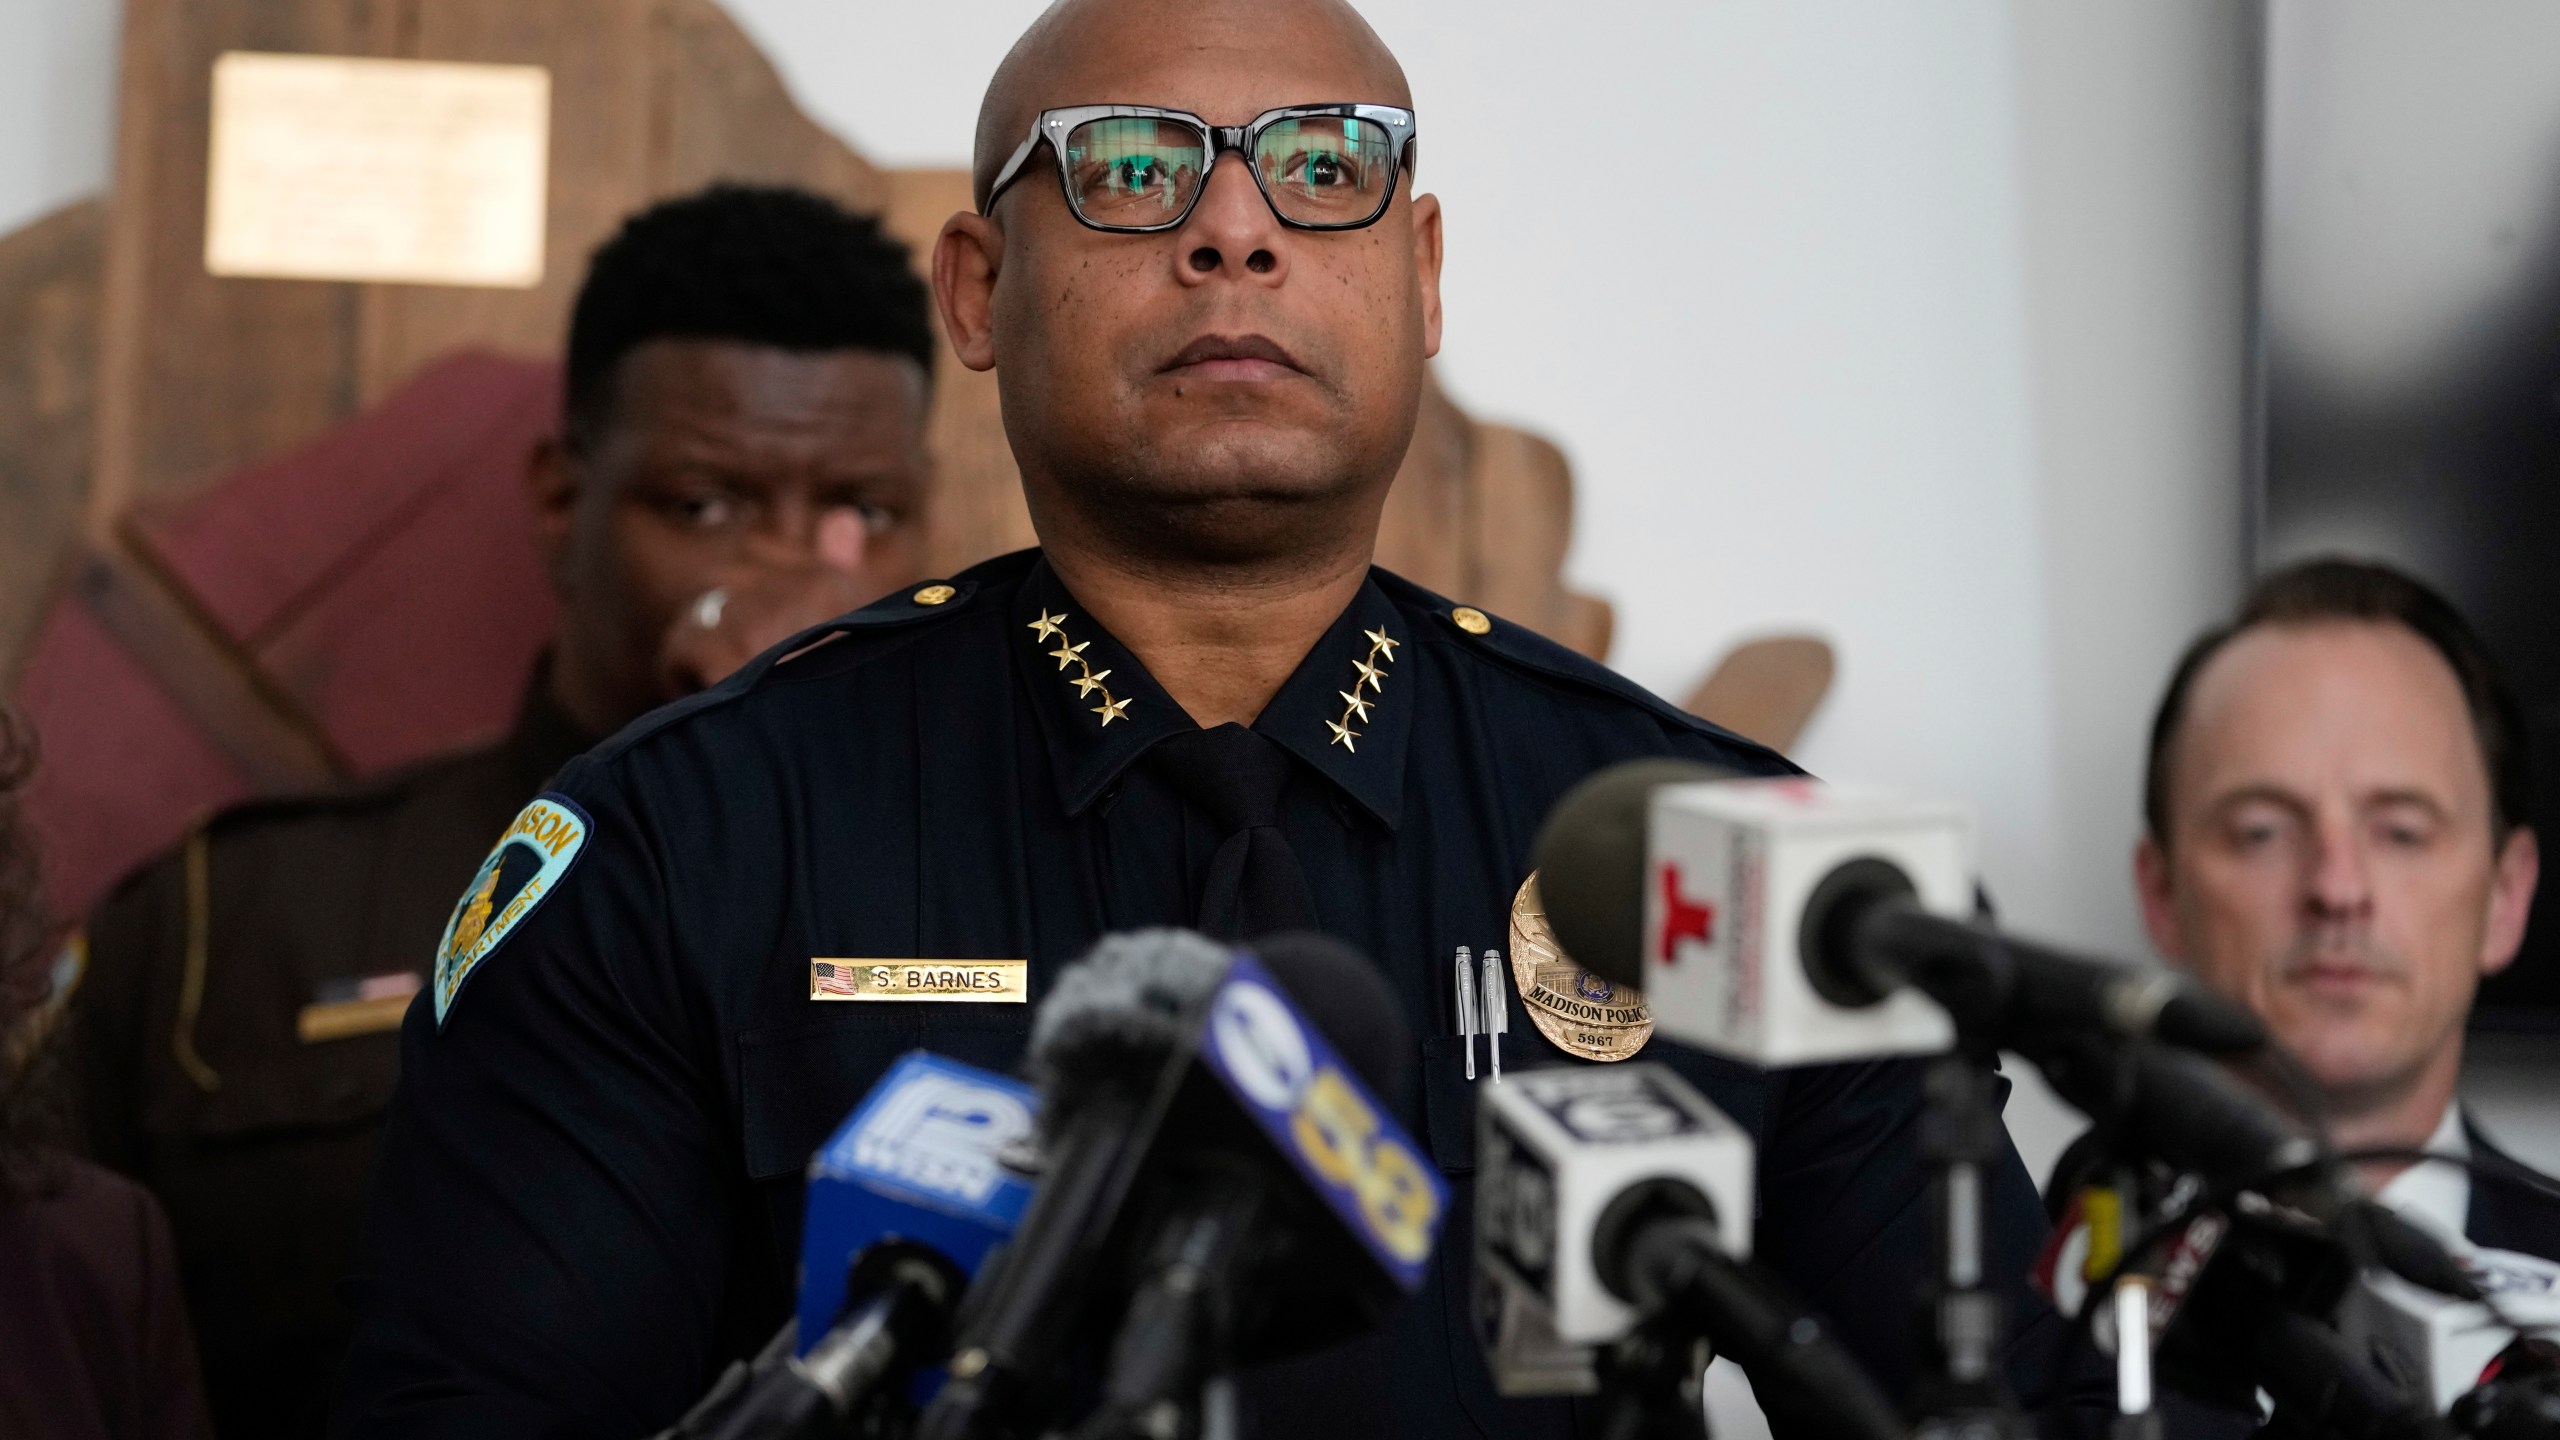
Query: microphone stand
x,y
1963,1139
898,1312
1652,1383
1657,1249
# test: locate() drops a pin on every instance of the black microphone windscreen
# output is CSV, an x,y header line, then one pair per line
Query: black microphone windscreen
x,y
2410,1252
2199,1020
1591,863
1118,1013
1340,990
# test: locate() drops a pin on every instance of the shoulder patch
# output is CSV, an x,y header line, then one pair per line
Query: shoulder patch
x,y
528,864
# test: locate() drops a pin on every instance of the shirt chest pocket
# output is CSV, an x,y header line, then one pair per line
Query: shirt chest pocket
x,y
1449,1105
797,1084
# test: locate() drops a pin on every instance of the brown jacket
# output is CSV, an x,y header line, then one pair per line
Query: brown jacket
x,y
235,1043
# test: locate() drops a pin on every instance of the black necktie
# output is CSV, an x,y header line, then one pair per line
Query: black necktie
x,y
1237,777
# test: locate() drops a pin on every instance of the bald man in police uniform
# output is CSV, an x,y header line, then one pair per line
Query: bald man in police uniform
x,y
1197,703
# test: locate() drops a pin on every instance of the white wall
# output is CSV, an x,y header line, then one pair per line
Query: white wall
x,y
57,103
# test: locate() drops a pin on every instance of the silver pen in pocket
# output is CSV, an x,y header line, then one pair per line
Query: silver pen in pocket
x,y
1470,1014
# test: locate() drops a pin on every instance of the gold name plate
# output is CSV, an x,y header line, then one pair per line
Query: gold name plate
x,y
982,982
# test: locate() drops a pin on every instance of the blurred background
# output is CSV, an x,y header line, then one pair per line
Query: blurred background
x,y
1985,347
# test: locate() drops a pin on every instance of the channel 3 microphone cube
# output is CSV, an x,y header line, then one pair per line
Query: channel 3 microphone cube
x,y
922,1159
1556,1146
1731,864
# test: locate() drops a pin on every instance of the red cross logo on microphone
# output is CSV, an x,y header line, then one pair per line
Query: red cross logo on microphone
x,y
1682,919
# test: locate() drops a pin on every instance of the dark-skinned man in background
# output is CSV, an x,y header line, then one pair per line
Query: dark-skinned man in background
x,y
1197,704
741,455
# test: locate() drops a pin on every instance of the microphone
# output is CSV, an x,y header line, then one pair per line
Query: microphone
x,y
1238,1260
2244,1288
2190,1114
1109,1048
1787,922
1264,1202
904,1202
2441,1347
1613,1200
2518,1397
932,1155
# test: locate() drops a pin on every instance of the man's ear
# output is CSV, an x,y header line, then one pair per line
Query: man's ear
x,y
2156,887
1426,268
2510,899
551,480
966,256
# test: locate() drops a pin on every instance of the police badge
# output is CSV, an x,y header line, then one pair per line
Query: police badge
x,y
1576,1010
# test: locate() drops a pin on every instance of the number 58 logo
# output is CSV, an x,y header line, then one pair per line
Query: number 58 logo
x,y
1339,1134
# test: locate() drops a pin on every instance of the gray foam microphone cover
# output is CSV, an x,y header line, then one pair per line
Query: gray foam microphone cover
x,y
1117,1011
1591,863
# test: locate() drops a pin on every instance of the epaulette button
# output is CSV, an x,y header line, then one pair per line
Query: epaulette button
x,y
934,595
1472,620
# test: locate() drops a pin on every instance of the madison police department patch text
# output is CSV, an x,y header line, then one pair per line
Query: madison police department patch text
x,y
531,858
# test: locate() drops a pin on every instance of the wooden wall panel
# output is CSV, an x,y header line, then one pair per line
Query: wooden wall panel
x,y
197,374
978,509
1423,533
719,111
1520,493
48,366
649,98
598,54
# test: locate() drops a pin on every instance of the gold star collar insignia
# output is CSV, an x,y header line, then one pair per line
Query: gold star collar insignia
x,y
1368,673
1069,654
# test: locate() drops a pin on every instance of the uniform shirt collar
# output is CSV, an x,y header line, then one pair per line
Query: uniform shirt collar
x,y
2438,1196
1345,711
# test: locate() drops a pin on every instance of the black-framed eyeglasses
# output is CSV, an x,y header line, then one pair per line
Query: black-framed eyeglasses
x,y
1136,169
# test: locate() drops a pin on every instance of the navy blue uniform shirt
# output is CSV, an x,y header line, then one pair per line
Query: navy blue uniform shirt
x,y
590,1192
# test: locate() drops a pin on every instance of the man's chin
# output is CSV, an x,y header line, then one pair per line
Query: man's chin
x,y
2350,1055
1231,471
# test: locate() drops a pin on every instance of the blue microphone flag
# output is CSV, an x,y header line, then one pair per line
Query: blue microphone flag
x,y
922,1159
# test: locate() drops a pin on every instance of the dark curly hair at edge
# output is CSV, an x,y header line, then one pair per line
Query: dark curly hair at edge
x,y
2334,589
30,1099
767,265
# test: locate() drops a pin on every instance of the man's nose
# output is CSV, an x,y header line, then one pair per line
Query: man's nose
x,y
1231,232
2341,879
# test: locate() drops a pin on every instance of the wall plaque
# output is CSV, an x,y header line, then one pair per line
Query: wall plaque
x,y
328,167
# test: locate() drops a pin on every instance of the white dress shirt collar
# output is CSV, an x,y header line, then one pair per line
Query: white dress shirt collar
x,y
2437,1196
